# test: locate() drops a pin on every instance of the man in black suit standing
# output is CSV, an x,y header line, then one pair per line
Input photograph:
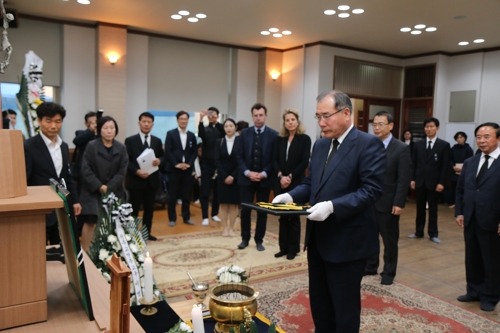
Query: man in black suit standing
x,y
46,157
476,210
431,158
82,138
389,207
209,135
180,153
256,176
141,185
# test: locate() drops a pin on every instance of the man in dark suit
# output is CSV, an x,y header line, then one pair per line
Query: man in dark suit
x,y
346,177
180,153
82,138
476,210
46,157
209,135
389,207
256,176
431,158
141,185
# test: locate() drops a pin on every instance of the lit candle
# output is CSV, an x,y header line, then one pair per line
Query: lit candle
x,y
197,320
148,279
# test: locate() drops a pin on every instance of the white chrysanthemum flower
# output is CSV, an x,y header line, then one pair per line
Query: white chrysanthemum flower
x,y
103,254
235,278
128,237
117,247
185,327
237,269
222,270
112,239
108,278
133,248
140,257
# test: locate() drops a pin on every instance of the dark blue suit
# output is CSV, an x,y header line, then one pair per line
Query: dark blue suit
x,y
179,181
478,203
249,189
338,247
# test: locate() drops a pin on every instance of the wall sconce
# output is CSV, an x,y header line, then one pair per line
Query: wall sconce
x,y
113,58
275,75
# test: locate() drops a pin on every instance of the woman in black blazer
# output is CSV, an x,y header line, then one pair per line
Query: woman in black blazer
x,y
291,158
408,139
227,173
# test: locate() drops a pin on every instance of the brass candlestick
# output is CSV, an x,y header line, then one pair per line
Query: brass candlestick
x,y
149,309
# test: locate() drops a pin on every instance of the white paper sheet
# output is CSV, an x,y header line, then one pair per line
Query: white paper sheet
x,y
146,159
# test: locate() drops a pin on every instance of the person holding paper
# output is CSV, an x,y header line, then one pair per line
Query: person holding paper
x,y
143,181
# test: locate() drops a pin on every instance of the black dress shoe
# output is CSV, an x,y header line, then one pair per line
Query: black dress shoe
x,y
487,306
260,247
467,298
279,254
152,238
290,256
386,280
242,245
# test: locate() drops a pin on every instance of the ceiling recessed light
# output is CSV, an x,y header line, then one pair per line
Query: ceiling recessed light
x,y
343,7
416,32
405,29
274,29
463,43
183,12
286,32
431,29
176,17
344,15
84,2
358,11
193,19
265,33
201,16
479,40
329,12
277,35
420,26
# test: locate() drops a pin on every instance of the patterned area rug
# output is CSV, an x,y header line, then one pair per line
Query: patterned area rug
x,y
395,308
202,254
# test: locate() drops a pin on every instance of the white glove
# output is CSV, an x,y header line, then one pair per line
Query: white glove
x,y
283,198
320,211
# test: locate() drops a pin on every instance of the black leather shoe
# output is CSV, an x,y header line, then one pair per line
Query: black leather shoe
x,y
242,245
152,238
260,247
386,280
487,306
290,256
467,298
279,254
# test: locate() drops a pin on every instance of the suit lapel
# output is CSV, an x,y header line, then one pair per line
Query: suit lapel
x,y
491,170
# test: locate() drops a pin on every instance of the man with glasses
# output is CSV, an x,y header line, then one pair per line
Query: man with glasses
x,y
346,177
431,158
389,207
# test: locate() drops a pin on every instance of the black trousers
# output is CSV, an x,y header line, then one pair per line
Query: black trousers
x,y
289,234
430,196
388,227
247,194
335,292
179,185
482,265
146,198
208,168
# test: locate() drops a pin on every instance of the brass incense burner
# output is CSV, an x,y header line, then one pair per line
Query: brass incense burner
x,y
232,304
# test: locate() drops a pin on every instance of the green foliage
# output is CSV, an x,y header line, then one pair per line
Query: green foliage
x,y
253,327
180,327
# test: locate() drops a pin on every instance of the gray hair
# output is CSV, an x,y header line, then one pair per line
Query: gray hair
x,y
341,99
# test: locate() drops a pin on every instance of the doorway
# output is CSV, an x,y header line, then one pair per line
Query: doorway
x,y
373,105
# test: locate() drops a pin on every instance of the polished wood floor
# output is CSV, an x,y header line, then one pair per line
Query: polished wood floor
x,y
436,269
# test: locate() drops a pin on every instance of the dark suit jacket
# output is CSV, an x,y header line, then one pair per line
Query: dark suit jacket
x,y
353,182
226,163
481,198
40,168
397,177
135,147
297,162
174,151
431,169
244,156
82,138
209,135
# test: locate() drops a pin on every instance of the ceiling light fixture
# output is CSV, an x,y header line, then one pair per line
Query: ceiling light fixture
x,y
265,32
83,2
463,43
201,16
193,19
343,7
183,12
430,29
277,35
329,12
478,41
176,17
344,15
286,32
416,32
405,29
274,29
358,11
420,26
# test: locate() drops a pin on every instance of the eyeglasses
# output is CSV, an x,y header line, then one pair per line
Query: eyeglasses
x,y
319,117
378,124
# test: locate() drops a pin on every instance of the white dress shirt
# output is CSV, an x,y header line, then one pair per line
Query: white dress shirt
x,y
493,156
183,135
55,152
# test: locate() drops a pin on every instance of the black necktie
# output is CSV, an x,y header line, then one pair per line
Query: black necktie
x,y
483,169
146,145
429,148
258,131
335,144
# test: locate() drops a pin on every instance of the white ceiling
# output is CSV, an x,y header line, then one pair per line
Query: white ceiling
x,y
239,22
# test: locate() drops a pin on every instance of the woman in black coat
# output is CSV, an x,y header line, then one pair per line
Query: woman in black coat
x,y
291,158
227,173
459,153
104,166
408,139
